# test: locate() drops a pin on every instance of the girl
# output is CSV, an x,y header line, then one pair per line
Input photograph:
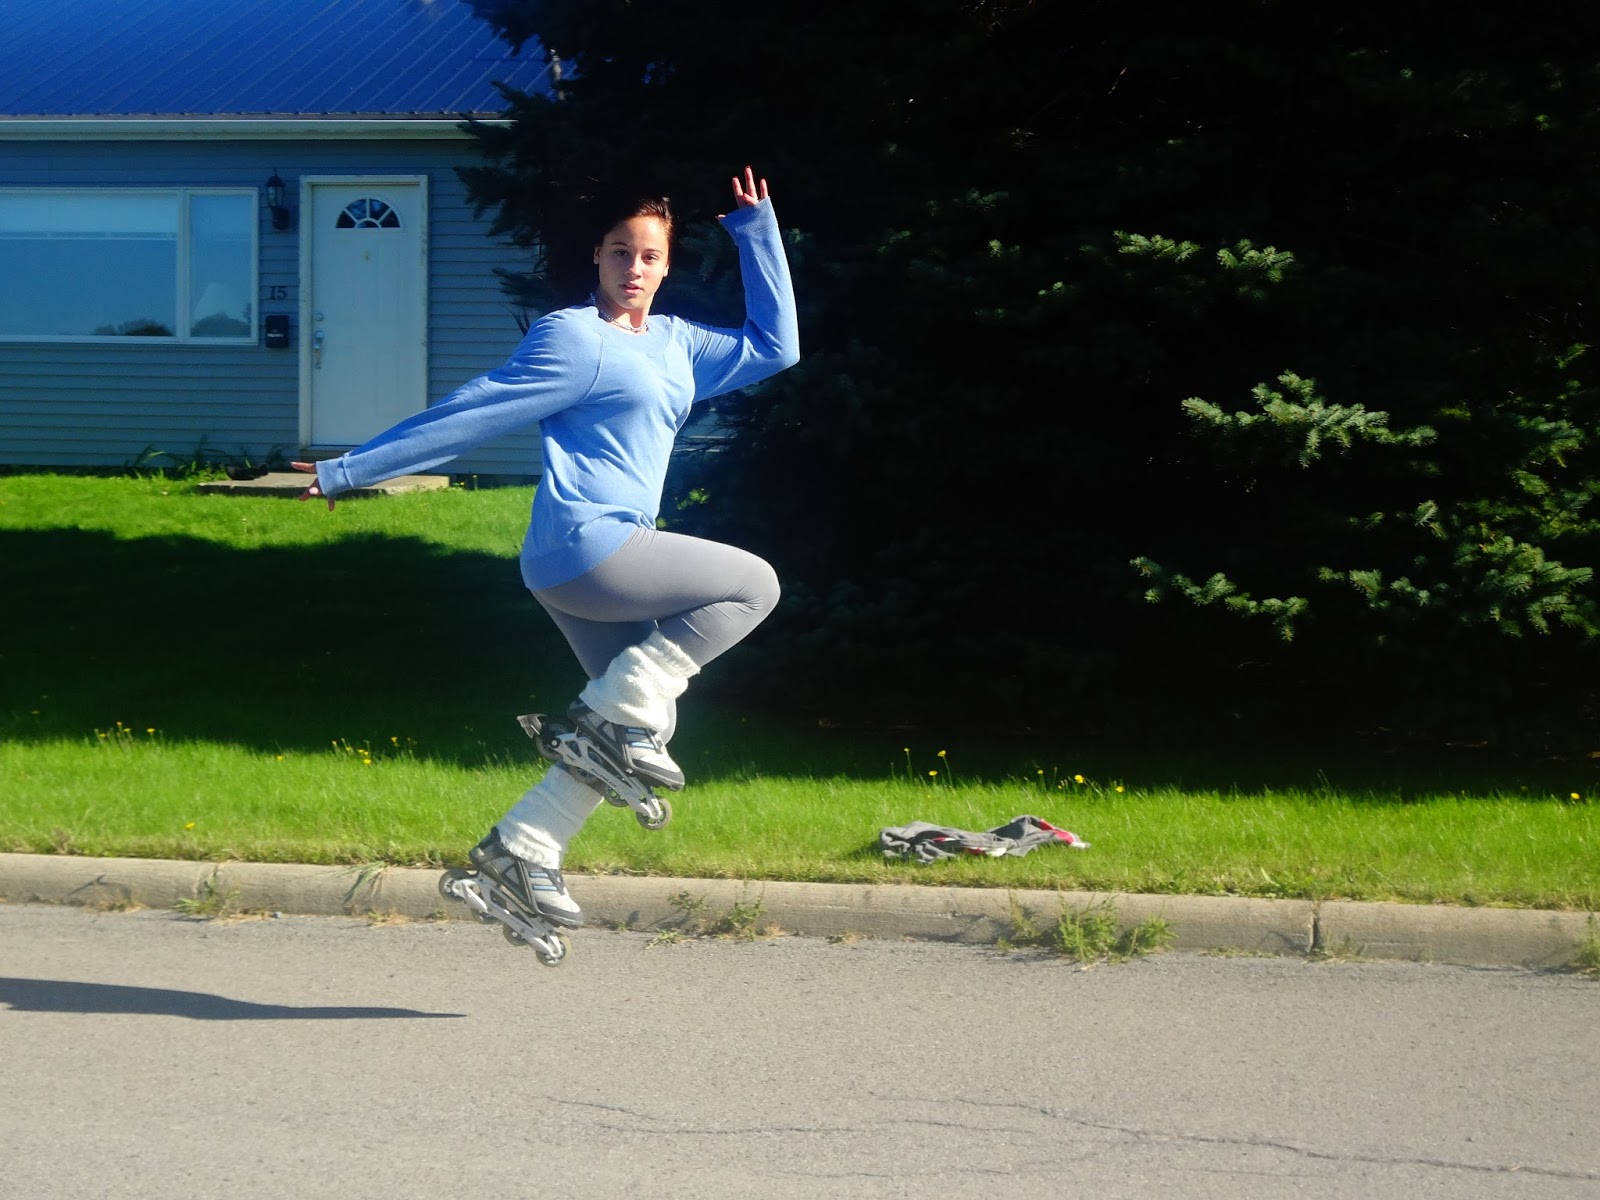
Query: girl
x,y
610,384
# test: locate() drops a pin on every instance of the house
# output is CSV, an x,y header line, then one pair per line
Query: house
x,y
233,229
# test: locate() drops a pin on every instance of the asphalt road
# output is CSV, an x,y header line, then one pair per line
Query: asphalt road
x,y
144,1054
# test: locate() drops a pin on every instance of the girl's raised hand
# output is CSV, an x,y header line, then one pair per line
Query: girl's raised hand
x,y
746,192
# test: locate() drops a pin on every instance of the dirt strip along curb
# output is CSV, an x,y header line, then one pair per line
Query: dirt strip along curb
x,y
1482,936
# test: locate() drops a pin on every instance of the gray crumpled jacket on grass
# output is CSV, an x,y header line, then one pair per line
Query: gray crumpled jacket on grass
x,y
929,843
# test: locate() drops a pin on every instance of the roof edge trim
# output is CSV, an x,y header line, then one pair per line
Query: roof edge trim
x,y
97,129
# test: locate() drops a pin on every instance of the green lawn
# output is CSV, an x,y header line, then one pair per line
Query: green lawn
x,y
212,677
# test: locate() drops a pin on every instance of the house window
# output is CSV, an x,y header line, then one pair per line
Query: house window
x,y
177,265
368,214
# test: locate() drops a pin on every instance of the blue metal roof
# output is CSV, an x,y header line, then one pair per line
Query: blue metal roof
x,y
217,58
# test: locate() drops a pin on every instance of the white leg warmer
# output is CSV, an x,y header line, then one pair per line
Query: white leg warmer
x,y
547,817
640,684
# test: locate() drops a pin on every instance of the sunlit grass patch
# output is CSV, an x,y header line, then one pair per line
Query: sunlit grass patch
x,y
152,797
225,677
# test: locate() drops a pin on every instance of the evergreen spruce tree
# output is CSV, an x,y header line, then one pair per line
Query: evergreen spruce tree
x,y
1278,316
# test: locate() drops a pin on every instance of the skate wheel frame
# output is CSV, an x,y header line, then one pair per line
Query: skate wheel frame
x,y
457,884
559,742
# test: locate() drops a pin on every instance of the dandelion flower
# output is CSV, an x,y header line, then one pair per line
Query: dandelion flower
x,y
943,753
1577,795
933,772
1121,789
1079,779
190,825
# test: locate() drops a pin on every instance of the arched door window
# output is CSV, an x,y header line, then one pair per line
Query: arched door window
x,y
368,213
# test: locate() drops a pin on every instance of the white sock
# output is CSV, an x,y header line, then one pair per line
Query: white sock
x,y
640,684
549,815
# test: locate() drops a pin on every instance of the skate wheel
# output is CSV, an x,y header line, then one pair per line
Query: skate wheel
x,y
512,936
664,814
448,881
544,733
615,800
552,950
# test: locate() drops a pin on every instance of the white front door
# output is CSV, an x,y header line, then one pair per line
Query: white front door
x,y
363,306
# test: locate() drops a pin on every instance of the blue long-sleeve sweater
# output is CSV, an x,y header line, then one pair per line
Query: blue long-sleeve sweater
x,y
609,404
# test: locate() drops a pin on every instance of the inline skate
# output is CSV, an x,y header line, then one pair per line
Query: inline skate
x,y
505,888
605,756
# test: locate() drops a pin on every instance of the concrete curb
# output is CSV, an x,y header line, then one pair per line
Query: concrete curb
x,y
1418,933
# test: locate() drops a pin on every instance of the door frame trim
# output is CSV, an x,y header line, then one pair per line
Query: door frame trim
x,y
307,213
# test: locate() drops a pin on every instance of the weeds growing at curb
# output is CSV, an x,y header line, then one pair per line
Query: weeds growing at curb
x,y
1587,960
1089,936
1346,950
691,906
212,902
367,876
742,923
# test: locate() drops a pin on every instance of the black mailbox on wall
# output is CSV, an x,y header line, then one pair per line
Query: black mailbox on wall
x,y
278,331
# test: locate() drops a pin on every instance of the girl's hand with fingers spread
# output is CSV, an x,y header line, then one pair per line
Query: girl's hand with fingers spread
x,y
315,490
747,192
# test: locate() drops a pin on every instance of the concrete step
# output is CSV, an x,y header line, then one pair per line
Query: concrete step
x,y
292,483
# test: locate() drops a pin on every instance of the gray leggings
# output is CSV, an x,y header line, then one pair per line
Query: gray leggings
x,y
703,596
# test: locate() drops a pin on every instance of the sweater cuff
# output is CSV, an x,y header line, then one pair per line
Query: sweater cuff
x,y
745,219
332,476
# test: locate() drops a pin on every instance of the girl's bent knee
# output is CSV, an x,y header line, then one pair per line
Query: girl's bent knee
x,y
765,588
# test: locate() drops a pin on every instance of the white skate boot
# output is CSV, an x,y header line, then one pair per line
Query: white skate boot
x,y
636,749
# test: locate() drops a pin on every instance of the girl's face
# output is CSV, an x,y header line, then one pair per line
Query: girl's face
x,y
632,259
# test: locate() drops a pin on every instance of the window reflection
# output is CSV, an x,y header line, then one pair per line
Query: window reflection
x,y
88,264
103,264
220,250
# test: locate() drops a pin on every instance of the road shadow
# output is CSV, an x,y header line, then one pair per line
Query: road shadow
x,y
56,995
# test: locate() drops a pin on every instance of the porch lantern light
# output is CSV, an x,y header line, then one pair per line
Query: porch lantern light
x,y
275,204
